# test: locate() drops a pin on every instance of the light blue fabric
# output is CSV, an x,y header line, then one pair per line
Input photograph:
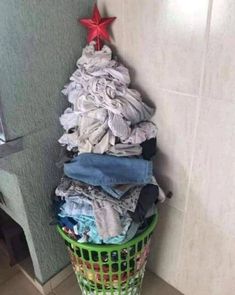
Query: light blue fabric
x,y
126,224
75,206
131,232
105,170
86,224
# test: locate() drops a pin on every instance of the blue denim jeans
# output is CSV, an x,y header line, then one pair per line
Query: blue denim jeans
x,y
106,170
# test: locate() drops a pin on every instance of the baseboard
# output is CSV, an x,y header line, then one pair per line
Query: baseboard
x,y
52,283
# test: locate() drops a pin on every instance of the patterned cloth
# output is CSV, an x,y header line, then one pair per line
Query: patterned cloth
x,y
69,187
75,206
86,228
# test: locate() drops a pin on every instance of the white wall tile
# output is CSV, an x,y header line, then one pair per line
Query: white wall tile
x,y
164,41
175,119
220,66
207,254
207,266
166,241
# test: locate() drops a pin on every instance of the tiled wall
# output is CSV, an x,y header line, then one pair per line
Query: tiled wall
x,y
182,57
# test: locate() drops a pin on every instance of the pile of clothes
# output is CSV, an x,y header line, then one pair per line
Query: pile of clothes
x,y
108,191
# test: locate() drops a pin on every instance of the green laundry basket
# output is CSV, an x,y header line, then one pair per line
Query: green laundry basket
x,y
110,269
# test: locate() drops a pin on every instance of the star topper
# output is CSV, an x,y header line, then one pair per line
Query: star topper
x,y
97,27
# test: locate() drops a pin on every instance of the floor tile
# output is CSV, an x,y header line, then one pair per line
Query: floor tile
x,y
27,266
152,285
68,287
18,284
6,271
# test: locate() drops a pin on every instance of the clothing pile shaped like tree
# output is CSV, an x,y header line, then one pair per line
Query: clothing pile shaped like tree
x,y
106,116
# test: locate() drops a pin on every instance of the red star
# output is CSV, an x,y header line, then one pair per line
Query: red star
x,y
97,27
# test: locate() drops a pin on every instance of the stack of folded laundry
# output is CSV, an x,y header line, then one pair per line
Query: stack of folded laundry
x,y
108,191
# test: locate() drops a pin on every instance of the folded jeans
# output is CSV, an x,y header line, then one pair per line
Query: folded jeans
x,y
106,170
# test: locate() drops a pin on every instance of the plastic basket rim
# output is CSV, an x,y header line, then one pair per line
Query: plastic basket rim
x,y
111,247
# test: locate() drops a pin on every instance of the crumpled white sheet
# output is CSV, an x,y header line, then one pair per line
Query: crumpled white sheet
x,y
104,111
71,140
69,119
141,132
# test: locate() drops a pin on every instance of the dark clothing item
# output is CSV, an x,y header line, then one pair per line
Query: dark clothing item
x,y
68,222
55,207
64,157
149,148
148,198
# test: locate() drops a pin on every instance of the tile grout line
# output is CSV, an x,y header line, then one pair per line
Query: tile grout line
x,y
202,77
200,95
179,92
203,70
196,96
